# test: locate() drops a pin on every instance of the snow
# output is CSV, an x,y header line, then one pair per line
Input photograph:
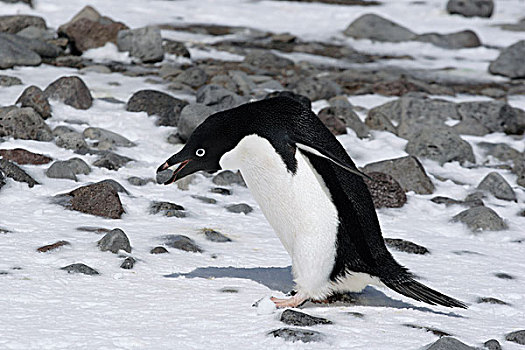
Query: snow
x,y
43,307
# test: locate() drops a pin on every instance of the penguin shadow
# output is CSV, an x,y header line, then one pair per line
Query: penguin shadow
x,y
280,279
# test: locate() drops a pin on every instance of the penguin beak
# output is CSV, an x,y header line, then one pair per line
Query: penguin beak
x,y
176,167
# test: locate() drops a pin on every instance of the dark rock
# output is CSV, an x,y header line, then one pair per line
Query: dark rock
x,y
113,241
218,98
80,268
490,300
432,330
267,59
13,54
14,172
504,276
316,88
93,229
495,116
116,186
24,123
481,218
53,246
305,101
239,208
34,97
107,136
441,145
22,156
128,263
471,8
175,48
190,117
153,102
39,47
229,290
215,236
71,140
14,24
500,151
449,343
492,344
458,40
71,91
407,171
385,190
205,199
168,209
183,243
519,170
297,334
228,178
296,318
445,200
159,250
2,184
496,184
142,43
374,27
139,181
6,80
405,246
61,170
510,61
516,337
112,161
220,190
356,314
194,77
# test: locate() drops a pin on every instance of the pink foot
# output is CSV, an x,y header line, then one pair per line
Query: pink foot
x,y
294,301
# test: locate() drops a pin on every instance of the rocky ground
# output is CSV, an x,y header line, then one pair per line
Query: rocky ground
x,y
90,105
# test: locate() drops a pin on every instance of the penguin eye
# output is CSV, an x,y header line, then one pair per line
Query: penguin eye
x,y
200,152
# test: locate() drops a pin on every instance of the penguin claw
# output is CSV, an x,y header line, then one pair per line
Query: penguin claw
x,y
294,301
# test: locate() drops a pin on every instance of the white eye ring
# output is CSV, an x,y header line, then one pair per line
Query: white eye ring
x,y
200,152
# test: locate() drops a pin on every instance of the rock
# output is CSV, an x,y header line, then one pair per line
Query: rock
x,y
175,48
80,268
432,330
14,172
93,229
38,46
504,276
489,300
62,129
305,101
182,243
332,121
142,43
509,63
218,97
215,236
441,145
22,156
458,40
99,199
159,250
108,136
194,77
15,23
296,318
33,32
128,263
78,166
297,334
113,241
385,190
349,118
500,151
445,200
88,30
474,199
239,208
71,140
53,246
495,116
61,170
71,91
164,176
481,218
112,161
205,199
2,184
519,170
492,344
168,209
449,343
374,27
243,82
407,171
317,88
471,8
13,54
267,59
228,178
405,246
153,102
516,337
190,117
34,97
7,80
220,190
139,181
498,186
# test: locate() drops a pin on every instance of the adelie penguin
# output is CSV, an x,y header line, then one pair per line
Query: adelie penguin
x,y
310,191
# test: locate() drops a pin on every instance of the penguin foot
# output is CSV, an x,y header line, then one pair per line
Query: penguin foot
x,y
294,301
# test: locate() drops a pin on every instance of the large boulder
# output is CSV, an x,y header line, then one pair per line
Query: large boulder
x,y
190,117
510,61
40,47
497,186
471,8
142,43
71,91
385,190
481,218
374,27
166,107
492,116
13,54
24,123
34,97
15,23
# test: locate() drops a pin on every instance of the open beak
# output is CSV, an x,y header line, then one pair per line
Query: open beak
x,y
177,169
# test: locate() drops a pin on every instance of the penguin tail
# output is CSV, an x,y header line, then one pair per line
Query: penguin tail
x,y
418,291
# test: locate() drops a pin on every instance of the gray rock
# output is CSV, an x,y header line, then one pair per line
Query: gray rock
x,y
317,88
296,318
194,77
218,98
167,107
407,171
61,170
116,186
500,151
441,145
432,330
481,219
24,123
39,47
222,191
164,176
504,276
333,121
167,209
516,337
267,59
405,246
510,61
205,199
228,178
490,300
159,250
239,208
142,43
474,199
471,8
112,161
2,184
458,40
108,136
445,200
71,140
33,32
498,186
139,181
449,343
270,85
78,166
215,236
14,24
61,130
7,80
80,268
496,116
128,263
385,190
191,116
519,170
297,334
34,97
71,91
243,82
113,241
374,27
175,48
182,243
16,173
492,344
13,54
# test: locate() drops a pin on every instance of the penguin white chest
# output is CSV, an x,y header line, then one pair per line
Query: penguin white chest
x,y
297,206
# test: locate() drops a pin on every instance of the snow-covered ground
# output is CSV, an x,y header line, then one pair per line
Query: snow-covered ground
x,y
42,307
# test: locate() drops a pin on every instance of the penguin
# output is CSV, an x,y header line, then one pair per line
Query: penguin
x,y
311,193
